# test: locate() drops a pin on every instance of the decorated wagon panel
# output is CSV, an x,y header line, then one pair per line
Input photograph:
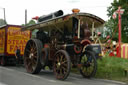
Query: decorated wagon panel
x,y
2,40
16,38
124,51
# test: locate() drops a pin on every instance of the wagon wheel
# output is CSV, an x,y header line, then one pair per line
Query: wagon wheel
x,y
62,65
88,64
32,55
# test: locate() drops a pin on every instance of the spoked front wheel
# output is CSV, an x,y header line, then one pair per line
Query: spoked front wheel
x,y
62,65
88,64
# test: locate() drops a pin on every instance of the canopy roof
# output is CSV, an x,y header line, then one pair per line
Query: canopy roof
x,y
66,20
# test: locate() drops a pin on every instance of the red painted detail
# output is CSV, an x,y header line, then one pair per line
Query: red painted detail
x,y
111,54
66,17
109,41
46,45
119,11
99,33
127,52
117,51
36,18
77,50
108,37
114,15
75,37
85,42
123,51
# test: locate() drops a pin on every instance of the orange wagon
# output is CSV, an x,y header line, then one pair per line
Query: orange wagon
x,y
10,39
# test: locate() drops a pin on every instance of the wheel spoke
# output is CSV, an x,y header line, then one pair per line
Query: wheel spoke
x,y
61,58
63,62
34,49
35,57
34,60
29,64
65,65
61,72
57,70
27,50
35,52
27,59
30,45
33,45
57,59
64,69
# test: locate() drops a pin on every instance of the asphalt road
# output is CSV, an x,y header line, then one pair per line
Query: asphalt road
x,y
18,76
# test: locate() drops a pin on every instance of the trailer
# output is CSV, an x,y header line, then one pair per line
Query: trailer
x,y
12,38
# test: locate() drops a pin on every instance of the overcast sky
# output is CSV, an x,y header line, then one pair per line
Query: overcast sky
x,y
15,9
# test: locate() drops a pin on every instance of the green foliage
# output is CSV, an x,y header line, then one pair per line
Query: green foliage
x,y
112,68
31,22
2,22
112,24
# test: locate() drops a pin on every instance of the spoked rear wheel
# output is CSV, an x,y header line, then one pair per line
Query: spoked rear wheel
x,y
88,64
62,65
32,55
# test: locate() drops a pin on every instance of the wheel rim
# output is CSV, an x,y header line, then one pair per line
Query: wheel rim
x,y
30,56
60,66
88,65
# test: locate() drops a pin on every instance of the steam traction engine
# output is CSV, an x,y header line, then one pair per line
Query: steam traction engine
x,y
63,41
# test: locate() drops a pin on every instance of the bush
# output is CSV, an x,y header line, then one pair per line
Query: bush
x,y
112,68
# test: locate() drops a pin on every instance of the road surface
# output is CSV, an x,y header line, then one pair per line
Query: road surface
x,y
17,76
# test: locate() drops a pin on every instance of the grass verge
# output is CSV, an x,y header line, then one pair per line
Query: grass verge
x,y
111,68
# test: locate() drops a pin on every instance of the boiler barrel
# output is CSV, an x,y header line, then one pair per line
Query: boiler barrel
x,y
50,16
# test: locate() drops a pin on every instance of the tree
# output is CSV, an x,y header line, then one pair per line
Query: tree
x,y
31,22
2,22
113,24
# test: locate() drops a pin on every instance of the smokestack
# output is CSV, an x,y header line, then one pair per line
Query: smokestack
x,y
4,16
25,16
50,16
